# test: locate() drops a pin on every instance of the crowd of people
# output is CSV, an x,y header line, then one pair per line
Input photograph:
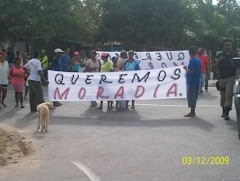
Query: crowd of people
x,y
226,70
28,75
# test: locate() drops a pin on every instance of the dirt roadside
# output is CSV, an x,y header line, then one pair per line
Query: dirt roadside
x,y
13,145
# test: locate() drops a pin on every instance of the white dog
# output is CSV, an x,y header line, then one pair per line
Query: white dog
x,y
43,116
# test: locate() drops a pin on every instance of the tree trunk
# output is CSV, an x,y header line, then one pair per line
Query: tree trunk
x,y
3,49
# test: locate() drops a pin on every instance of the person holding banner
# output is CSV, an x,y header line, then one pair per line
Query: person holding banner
x,y
122,60
93,65
193,80
35,86
82,59
106,66
75,62
56,66
65,60
115,64
130,65
121,104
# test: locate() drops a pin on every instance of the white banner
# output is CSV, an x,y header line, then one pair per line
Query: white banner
x,y
169,83
156,60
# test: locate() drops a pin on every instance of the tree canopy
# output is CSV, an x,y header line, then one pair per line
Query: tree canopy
x,y
171,23
138,24
32,19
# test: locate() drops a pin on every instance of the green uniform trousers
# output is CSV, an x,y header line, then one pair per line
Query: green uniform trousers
x,y
227,92
35,94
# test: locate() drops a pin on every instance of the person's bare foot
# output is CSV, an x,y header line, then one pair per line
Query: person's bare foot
x,y
190,115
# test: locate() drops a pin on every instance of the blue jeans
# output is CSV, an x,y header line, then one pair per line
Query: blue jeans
x,y
202,82
192,96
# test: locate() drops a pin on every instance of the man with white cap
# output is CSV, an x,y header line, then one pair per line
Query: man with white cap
x,y
55,63
65,60
56,66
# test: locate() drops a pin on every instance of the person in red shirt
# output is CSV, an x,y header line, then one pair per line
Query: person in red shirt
x,y
204,68
17,74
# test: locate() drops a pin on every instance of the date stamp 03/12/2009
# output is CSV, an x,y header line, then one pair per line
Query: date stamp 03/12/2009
x,y
205,160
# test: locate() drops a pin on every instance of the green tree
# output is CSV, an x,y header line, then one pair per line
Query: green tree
x,y
231,10
144,24
47,20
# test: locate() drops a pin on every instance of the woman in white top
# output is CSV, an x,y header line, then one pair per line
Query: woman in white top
x,y
93,65
3,78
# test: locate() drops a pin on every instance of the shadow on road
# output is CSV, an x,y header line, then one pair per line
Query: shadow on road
x,y
130,118
127,119
208,96
8,114
26,120
233,125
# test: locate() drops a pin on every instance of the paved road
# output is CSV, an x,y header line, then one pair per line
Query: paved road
x,y
147,144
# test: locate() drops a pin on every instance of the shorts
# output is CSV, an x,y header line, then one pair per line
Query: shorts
x,y
3,86
18,87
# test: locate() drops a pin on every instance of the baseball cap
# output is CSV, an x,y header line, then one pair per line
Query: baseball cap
x,y
58,50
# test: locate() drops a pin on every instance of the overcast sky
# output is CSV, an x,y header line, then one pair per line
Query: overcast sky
x,y
214,2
